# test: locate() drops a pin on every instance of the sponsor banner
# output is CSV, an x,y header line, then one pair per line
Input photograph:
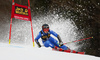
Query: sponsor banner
x,y
20,12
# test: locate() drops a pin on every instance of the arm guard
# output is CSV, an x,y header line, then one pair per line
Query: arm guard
x,y
60,41
59,38
38,43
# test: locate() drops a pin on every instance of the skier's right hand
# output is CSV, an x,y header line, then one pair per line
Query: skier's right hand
x,y
38,43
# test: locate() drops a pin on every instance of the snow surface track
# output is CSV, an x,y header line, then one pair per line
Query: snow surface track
x,y
17,52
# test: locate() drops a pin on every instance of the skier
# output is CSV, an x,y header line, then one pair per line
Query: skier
x,y
48,40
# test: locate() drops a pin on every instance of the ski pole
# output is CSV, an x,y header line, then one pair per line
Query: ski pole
x,y
78,40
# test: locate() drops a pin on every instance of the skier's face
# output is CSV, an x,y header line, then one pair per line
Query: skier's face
x,y
46,30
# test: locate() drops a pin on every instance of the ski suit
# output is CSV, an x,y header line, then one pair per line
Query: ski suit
x,y
49,41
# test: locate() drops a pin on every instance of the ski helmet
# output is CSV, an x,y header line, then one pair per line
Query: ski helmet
x,y
45,27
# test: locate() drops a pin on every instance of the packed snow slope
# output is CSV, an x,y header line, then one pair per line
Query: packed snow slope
x,y
19,52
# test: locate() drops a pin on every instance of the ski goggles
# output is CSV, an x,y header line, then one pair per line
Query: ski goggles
x,y
46,29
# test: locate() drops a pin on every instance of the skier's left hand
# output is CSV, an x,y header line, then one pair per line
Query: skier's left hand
x,y
60,43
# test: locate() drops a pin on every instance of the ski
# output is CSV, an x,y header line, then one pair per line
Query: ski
x,y
68,51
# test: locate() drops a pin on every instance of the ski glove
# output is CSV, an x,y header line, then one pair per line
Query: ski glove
x,y
60,41
38,43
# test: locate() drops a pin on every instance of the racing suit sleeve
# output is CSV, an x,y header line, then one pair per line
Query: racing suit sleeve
x,y
56,35
53,33
36,39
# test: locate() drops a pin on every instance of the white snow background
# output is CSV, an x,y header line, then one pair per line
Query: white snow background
x,y
18,52
21,41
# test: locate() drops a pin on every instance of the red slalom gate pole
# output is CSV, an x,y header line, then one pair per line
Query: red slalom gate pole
x,y
29,3
10,31
32,34
10,27
31,23
79,40
12,0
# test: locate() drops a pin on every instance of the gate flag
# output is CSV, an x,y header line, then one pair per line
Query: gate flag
x,y
21,12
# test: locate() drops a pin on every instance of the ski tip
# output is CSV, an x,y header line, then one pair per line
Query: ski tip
x,y
81,53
